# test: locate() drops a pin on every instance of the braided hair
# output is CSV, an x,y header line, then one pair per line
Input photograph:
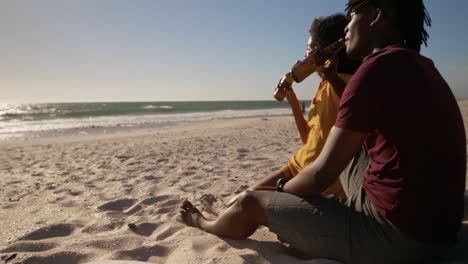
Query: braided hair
x,y
408,16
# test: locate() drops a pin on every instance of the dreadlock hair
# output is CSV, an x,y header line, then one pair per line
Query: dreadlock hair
x,y
326,30
408,16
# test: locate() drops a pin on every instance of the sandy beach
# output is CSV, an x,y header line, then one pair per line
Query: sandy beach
x,y
116,197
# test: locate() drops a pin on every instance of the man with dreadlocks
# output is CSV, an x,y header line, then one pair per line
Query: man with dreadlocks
x,y
398,146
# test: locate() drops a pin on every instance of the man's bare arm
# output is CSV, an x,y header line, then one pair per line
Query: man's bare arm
x,y
341,146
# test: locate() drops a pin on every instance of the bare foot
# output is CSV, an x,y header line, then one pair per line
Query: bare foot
x,y
191,216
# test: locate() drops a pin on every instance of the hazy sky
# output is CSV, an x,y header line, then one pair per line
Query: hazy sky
x,y
153,50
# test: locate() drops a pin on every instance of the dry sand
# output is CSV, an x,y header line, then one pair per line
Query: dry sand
x,y
75,200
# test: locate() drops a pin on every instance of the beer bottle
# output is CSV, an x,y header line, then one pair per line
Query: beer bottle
x,y
285,83
301,70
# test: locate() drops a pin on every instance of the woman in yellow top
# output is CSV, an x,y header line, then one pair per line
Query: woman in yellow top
x,y
324,106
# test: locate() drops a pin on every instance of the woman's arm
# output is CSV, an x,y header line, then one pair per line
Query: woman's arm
x,y
301,122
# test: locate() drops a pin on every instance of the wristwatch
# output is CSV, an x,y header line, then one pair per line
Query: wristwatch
x,y
280,184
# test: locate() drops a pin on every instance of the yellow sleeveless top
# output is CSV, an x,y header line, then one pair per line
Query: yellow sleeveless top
x,y
322,117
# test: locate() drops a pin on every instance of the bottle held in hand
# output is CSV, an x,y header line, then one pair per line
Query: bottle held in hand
x,y
301,70
285,83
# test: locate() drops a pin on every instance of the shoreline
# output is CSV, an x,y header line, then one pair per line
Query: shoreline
x,y
16,130
122,129
140,131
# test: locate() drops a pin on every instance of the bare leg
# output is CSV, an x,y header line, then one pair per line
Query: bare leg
x,y
238,221
266,184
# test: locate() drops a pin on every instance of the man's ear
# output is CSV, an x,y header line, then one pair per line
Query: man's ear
x,y
377,16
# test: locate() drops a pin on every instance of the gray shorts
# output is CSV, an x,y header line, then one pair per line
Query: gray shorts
x,y
349,231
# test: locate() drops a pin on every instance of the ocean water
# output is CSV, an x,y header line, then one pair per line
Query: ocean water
x,y
28,121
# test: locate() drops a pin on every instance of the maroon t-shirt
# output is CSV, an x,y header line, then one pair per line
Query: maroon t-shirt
x,y
416,142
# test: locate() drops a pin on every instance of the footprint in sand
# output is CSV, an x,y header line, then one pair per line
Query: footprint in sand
x,y
29,247
246,166
69,203
162,160
170,202
188,173
37,174
14,182
162,211
150,178
123,158
199,177
74,192
200,246
59,230
90,185
133,210
58,258
117,205
7,258
160,198
100,228
241,156
169,231
132,163
51,186
243,150
60,191
143,229
203,186
115,243
164,203
221,248
143,253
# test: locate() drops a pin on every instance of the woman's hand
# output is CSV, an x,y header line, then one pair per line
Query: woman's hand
x,y
328,71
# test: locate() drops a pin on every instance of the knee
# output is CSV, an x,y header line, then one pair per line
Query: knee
x,y
247,201
253,207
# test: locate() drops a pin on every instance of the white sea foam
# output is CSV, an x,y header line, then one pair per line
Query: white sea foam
x,y
157,107
165,107
149,107
14,109
17,128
